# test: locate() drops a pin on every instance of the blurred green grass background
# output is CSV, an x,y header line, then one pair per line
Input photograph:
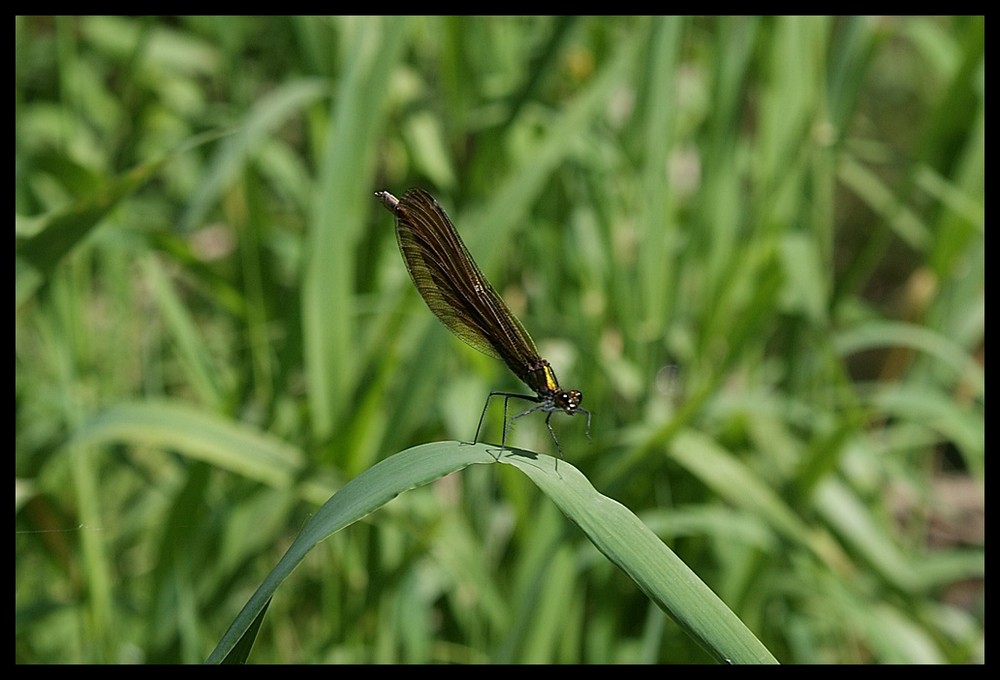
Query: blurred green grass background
x,y
755,244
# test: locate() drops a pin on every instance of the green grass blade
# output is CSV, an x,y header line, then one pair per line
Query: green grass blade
x,y
631,545
361,496
612,527
201,436
343,200
241,650
55,235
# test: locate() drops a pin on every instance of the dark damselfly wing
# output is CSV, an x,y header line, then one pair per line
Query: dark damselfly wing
x,y
454,288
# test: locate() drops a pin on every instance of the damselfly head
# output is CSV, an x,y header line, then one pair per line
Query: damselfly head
x,y
568,401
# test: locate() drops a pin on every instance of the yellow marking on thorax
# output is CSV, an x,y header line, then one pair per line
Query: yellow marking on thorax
x,y
550,379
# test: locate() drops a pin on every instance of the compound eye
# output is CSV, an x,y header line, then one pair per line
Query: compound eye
x,y
569,401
